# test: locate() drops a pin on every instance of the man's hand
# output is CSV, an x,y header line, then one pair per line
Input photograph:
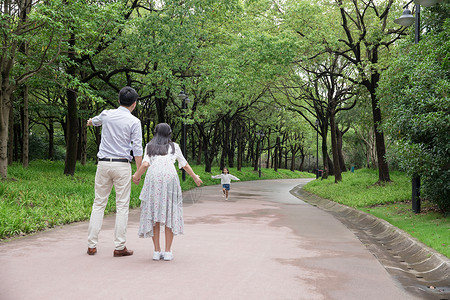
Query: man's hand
x,y
136,180
89,122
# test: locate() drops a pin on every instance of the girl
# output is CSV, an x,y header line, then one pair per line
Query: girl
x,y
225,180
161,198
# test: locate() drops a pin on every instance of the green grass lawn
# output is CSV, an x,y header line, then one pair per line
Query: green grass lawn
x,y
390,202
41,197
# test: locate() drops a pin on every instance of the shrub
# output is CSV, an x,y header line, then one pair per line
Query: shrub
x,y
415,91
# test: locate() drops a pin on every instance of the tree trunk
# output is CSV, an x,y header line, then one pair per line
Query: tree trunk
x,y
72,116
192,139
208,156
26,113
232,146
268,150
329,167
241,149
293,161
286,155
161,103
10,150
302,160
225,142
276,155
280,155
383,168
324,153
272,160
199,151
26,128
72,133
209,143
256,156
339,135
4,118
222,159
17,140
250,150
6,91
208,161
7,86
83,142
334,149
161,110
51,140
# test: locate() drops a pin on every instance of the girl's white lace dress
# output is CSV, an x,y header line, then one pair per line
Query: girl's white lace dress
x,y
161,198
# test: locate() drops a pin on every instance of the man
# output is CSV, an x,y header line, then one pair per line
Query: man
x,y
121,133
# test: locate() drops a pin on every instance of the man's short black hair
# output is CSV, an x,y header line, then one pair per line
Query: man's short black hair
x,y
127,96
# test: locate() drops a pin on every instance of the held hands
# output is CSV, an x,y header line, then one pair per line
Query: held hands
x,y
136,179
138,174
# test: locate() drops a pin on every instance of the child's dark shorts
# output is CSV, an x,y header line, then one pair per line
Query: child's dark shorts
x,y
226,186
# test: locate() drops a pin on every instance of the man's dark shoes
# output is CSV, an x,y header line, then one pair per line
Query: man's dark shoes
x,y
91,251
123,252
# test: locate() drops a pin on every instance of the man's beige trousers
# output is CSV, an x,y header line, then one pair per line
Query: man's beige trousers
x,y
109,174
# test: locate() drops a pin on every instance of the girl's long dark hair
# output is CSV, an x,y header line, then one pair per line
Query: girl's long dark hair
x,y
159,145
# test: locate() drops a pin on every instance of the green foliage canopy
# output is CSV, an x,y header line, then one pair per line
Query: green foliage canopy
x,y
415,89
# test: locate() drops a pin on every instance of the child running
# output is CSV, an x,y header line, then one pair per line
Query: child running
x,y
161,198
225,180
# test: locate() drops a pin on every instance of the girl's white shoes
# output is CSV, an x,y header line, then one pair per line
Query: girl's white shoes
x,y
162,255
158,255
168,256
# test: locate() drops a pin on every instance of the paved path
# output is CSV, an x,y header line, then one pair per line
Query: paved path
x,y
263,243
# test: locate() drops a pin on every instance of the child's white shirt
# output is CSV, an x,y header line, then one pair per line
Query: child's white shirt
x,y
225,178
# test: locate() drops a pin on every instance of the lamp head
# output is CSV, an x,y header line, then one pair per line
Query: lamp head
x,y
182,95
427,3
406,19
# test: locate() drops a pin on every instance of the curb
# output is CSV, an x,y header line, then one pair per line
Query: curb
x,y
419,268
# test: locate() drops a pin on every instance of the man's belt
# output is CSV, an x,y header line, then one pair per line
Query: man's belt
x,y
114,159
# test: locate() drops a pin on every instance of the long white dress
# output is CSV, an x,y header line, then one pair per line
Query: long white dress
x,y
161,197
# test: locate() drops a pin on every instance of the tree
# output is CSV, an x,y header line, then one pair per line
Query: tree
x,y
320,90
18,27
233,74
89,32
333,92
368,32
363,36
415,90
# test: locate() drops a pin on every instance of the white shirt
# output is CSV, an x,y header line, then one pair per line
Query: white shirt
x,y
178,155
121,133
225,178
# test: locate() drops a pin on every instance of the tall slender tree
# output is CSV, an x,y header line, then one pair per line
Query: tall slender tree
x,y
16,67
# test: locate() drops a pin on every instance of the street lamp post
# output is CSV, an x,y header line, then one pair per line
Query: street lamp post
x,y
317,148
407,19
261,135
185,100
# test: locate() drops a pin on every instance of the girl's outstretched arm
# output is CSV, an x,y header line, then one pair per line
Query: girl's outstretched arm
x,y
137,176
194,176
234,177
